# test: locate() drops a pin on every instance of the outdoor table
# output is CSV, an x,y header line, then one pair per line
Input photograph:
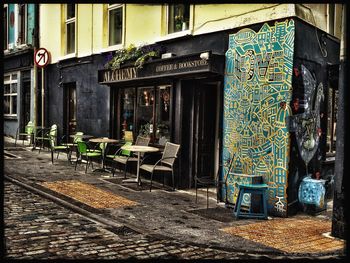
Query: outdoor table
x,y
103,140
139,149
84,136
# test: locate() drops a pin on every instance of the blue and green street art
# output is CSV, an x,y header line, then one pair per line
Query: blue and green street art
x,y
257,94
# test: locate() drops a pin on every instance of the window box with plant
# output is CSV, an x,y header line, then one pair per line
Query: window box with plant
x,y
132,54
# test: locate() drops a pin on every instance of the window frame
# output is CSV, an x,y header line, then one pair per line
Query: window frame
x,y
111,7
11,94
168,20
68,21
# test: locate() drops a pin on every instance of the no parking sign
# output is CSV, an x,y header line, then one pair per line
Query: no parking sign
x,y
41,57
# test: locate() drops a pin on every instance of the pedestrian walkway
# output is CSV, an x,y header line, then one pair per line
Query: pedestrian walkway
x,y
171,215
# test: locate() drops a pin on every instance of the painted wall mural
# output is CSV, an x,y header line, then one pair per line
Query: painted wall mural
x,y
257,95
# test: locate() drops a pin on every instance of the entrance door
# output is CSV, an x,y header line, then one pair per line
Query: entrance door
x,y
25,103
70,115
205,103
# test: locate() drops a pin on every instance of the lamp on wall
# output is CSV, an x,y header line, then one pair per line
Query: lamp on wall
x,y
204,55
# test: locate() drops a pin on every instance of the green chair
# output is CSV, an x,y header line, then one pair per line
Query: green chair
x,y
57,148
28,132
120,156
88,153
72,145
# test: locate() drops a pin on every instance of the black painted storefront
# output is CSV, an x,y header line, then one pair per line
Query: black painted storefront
x,y
195,106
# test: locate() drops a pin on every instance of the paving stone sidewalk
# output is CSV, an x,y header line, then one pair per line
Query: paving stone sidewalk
x,y
172,215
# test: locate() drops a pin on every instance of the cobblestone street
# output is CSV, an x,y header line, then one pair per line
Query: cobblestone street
x,y
37,228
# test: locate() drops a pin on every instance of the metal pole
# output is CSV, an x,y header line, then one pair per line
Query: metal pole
x,y
35,83
42,98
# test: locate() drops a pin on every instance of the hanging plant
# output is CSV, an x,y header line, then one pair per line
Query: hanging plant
x,y
138,55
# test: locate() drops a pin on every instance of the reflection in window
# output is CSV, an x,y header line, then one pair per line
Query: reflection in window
x,y
115,24
332,119
127,110
178,17
162,132
145,111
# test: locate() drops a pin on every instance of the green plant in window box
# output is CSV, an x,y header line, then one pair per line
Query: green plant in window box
x,y
138,55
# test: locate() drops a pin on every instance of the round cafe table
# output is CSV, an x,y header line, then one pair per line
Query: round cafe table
x,y
84,136
103,140
139,149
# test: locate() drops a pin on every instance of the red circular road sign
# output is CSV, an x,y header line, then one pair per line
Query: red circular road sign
x,y
41,57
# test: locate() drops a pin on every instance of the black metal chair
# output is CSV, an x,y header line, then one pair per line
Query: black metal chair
x,y
208,181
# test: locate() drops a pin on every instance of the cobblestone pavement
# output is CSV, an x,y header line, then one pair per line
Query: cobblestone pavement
x,y
36,228
184,228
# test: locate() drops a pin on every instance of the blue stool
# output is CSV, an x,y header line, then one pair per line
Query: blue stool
x,y
258,189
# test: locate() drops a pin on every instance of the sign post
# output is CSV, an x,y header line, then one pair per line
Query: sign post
x,y
41,59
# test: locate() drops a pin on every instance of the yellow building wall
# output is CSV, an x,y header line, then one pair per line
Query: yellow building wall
x,y
143,23
146,24
50,29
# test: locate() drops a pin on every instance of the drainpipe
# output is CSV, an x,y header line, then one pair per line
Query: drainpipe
x,y
339,227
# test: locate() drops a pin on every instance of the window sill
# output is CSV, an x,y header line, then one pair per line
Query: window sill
x,y
112,48
175,35
10,117
72,55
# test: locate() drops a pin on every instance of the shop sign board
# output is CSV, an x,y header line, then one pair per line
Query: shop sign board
x,y
161,68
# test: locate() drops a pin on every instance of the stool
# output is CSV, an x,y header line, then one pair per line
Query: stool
x,y
257,189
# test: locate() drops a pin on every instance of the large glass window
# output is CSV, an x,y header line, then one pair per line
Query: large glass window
x,y
178,17
70,28
127,101
146,111
332,119
10,94
115,24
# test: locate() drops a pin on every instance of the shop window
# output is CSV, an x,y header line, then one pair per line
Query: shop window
x,y
127,110
70,28
10,95
115,24
146,111
178,17
145,103
22,25
5,27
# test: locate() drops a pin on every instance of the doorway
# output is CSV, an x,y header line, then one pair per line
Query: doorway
x,y
70,108
205,129
25,103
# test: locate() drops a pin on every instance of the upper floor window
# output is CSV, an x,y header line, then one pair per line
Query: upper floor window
x,y
10,94
115,24
22,25
178,17
5,27
70,28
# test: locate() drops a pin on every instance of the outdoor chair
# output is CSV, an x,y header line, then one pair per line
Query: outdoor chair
x,y
58,148
43,135
72,145
120,156
126,159
207,181
28,132
165,164
84,150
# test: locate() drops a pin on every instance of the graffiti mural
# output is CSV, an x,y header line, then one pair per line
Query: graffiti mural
x,y
257,94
